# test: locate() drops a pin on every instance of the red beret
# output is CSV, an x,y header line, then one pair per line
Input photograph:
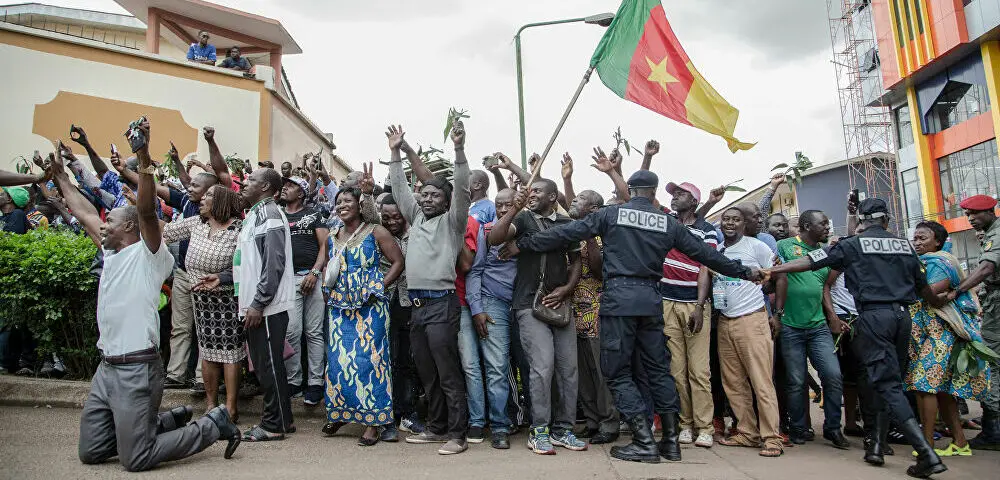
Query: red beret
x,y
979,202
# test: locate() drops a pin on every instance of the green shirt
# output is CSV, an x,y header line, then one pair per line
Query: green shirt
x,y
804,300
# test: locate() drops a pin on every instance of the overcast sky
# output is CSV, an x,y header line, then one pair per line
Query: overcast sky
x,y
370,63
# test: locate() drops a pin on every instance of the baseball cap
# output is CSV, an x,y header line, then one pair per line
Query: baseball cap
x,y
643,179
18,195
301,182
979,203
687,187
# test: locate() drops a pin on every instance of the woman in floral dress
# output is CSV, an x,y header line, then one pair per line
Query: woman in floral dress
x,y
358,377
936,336
213,236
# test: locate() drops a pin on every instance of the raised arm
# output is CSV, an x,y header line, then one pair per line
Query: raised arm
x,y
503,230
501,182
82,209
216,159
652,148
765,201
149,224
461,197
610,167
11,179
79,136
567,175
367,183
714,197
182,173
397,179
420,170
132,178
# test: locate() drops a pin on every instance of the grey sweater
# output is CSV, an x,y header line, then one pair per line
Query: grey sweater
x,y
434,243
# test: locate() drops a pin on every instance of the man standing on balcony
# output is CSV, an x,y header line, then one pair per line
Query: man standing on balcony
x,y
202,52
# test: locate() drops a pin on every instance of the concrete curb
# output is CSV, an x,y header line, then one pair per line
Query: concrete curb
x,y
38,392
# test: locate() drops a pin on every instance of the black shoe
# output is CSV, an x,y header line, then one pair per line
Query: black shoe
x,y
198,390
604,437
989,437
294,391
475,435
643,448
854,430
227,429
389,434
669,447
369,442
809,434
587,433
797,439
838,439
928,462
313,395
173,383
875,441
500,441
176,418
330,429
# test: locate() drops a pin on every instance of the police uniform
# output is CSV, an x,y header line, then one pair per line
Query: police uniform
x,y
989,438
636,237
884,274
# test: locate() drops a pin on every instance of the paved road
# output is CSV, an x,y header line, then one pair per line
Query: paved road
x,y
40,443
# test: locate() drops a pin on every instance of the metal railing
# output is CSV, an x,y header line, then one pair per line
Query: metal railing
x,y
41,22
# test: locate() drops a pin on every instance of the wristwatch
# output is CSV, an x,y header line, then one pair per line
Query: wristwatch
x,y
315,273
778,312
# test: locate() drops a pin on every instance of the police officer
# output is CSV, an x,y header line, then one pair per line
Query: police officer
x,y
637,236
884,274
980,210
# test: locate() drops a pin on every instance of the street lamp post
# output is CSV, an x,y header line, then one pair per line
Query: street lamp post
x,y
601,19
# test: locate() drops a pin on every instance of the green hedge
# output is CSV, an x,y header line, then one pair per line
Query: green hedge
x,y
46,287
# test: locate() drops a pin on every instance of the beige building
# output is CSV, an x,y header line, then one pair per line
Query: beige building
x,y
101,71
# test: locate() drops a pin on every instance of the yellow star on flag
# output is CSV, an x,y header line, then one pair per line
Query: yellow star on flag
x,y
658,73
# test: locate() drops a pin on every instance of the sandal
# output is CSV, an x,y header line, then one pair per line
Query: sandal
x,y
330,429
771,452
258,434
739,440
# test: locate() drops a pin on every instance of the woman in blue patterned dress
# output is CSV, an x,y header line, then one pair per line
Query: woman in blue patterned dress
x,y
936,335
358,377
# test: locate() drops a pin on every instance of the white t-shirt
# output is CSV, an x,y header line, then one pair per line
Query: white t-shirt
x,y
736,297
128,296
842,298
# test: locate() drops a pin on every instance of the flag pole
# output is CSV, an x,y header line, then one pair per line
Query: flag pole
x,y
562,122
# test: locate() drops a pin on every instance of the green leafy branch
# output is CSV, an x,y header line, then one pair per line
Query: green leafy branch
x,y
971,358
22,165
235,163
793,173
732,187
620,141
454,116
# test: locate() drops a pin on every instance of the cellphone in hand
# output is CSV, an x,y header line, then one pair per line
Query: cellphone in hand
x,y
490,161
136,138
114,149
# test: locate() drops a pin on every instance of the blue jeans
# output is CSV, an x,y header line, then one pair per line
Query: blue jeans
x,y
495,351
817,344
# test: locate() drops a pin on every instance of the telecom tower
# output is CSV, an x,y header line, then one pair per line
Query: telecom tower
x,y
866,119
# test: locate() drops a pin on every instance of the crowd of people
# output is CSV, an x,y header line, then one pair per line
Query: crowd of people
x,y
424,307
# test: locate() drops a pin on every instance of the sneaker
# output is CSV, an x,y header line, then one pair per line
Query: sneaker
x,y
500,441
294,391
313,395
453,446
475,435
539,442
685,436
704,440
427,437
389,434
411,424
568,441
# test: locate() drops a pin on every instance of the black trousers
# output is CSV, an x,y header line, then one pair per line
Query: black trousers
x,y
267,345
881,344
519,404
404,375
434,343
620,337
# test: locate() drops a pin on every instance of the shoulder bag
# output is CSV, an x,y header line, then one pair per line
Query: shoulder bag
x,y
333,265
556,317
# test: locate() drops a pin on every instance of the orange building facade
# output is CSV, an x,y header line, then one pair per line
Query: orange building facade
x,y
940,66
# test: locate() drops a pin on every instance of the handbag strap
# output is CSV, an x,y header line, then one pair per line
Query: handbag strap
x,y
545,256
348,242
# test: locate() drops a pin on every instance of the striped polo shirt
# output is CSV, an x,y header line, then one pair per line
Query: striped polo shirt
x,y
680,273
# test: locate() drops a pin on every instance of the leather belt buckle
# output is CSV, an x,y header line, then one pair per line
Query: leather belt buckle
x,y
417,302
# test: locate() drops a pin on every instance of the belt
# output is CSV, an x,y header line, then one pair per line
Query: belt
x,y
141,356
897,306
636,281
423,302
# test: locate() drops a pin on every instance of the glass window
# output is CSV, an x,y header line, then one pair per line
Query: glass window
x,y
973,171
904,128
899,24
912,197
956,104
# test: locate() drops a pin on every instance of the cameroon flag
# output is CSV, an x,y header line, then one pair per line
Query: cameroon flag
x,y
641,60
